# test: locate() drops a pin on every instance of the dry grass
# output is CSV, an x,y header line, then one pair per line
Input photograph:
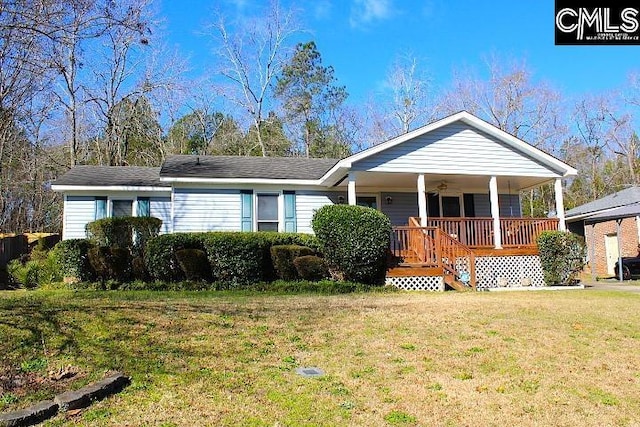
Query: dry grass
x,y
545,358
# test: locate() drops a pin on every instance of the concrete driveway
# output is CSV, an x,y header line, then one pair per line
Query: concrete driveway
x,y
613,285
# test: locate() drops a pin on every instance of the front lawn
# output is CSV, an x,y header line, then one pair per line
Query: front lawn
x,y
518,358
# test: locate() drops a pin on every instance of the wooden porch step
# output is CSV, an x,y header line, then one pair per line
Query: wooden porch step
x,y
451,281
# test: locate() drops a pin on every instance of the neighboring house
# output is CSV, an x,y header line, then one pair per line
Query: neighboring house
x,y
459,176
610,228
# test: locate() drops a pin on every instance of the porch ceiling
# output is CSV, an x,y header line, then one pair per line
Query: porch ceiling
x,y
455,183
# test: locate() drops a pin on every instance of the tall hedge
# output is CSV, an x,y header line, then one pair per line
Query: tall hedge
x,y
562,256
159,255
354,241
235,258
129,232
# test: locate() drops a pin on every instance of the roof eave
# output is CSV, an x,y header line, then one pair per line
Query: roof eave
x,y
137,188
277,181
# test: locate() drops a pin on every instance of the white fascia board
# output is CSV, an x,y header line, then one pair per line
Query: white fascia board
x,y
65,188
232,181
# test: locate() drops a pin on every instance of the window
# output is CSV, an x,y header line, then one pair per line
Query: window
x,y
367,201
121,208
267,212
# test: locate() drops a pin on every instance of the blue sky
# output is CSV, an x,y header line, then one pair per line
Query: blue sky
x,y
361,39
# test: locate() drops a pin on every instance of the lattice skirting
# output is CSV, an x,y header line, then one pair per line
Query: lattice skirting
x,y
509,271
417,283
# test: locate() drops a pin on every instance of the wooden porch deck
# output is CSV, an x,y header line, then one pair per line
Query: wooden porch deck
x,y
447,247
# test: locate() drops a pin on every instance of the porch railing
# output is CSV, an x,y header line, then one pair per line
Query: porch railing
x,y
432,247
478,232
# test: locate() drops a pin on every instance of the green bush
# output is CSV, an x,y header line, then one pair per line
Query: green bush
x,y
354,241
111,263
235,258
112,232
159,255
562,256
72,259
35,272
311,267
194,264
144,228
130,232
282,257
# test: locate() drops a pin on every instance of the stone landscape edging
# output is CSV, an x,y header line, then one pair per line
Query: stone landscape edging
x,y
66,401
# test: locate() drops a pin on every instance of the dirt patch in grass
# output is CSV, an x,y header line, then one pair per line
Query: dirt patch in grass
x,y
561,358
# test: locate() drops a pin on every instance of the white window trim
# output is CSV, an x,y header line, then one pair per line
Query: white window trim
x,y
257,193
110,200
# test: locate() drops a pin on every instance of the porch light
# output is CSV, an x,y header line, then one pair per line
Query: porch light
x,y
340,200
389,200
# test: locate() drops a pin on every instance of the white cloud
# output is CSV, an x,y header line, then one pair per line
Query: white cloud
x,y
364,12
322,9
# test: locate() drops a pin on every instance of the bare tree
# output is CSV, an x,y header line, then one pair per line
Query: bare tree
x,y
511,100
251,54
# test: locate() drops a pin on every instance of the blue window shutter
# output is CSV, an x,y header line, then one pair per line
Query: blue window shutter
x,y
290,211
101,208
246,210
144,207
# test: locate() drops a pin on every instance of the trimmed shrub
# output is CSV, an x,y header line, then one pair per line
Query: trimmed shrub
x,y
130,232
72,259
113,232
236,258
194,264
159,255
562,256
354,241
144,229
111,263
311,267
282,257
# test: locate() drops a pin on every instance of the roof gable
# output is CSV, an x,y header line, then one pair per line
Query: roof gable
x,y
455,148
516,145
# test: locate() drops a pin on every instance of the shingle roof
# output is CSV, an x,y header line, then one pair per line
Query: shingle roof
x,y
625,197
137,176
620,212
183,166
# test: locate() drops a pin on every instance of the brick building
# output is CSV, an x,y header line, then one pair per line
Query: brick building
x,y
610,226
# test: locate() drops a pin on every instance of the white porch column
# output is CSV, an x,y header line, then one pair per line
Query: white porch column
x,y
422,200
495,212
351,188
562,226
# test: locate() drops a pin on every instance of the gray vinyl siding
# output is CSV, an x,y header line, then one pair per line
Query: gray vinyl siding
x,y
161,208
403,206
206,210
78,211
307,202
509,205
454,149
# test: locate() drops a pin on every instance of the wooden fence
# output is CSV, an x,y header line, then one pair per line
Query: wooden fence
x,y
12,248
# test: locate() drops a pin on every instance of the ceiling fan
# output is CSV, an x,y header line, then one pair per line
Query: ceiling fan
x,y
439,188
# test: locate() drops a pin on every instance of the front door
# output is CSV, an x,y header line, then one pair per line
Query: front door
x,y
451,206
611,250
